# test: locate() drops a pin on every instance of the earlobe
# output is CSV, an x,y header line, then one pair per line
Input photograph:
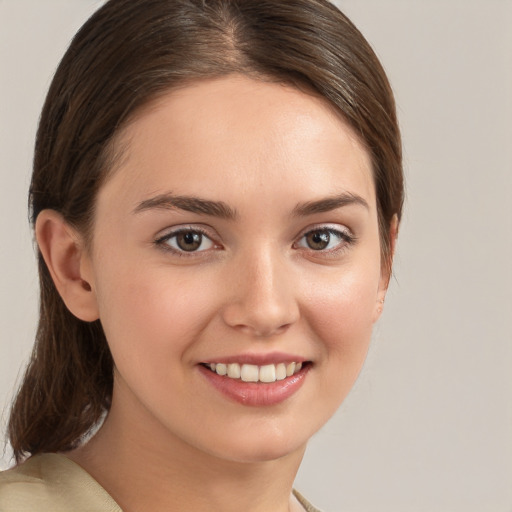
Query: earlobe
x,y
66,259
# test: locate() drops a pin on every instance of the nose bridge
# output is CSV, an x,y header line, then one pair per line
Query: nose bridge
x,y
262,300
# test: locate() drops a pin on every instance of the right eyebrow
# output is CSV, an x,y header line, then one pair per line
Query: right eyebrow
x,y
187,203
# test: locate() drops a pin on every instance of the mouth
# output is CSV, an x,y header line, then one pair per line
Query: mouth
x,y
267,374
256,385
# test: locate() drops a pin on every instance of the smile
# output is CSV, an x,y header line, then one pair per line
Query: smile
x,y
252,373
257,385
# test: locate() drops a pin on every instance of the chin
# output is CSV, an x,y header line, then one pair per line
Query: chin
x,y
258,454
263,444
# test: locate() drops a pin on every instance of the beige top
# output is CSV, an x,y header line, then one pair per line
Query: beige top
x,y
53,483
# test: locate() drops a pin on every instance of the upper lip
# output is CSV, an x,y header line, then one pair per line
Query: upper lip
x,y
257,359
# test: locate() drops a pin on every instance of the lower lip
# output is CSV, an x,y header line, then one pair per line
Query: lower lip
x,y
257,393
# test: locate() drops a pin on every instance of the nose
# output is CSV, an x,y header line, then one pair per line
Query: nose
x,y
262,295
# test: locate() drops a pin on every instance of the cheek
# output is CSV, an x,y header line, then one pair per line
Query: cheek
x,y
151,321
342,314
151,311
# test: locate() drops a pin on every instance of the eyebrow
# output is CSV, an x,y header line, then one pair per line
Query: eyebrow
x,y
222,210
329,203
187,203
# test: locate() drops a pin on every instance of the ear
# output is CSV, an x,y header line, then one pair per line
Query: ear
x,y
69,264
386,268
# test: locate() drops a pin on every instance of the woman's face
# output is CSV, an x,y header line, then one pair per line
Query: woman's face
x,y
239,234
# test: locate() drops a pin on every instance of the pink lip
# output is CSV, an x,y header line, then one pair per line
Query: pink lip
x,y
256,393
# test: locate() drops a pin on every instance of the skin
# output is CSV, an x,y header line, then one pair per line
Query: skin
x,y
255,286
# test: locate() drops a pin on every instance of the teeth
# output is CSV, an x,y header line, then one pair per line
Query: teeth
x,y
234,371
252,373
221,369
249,373
280,371
268,373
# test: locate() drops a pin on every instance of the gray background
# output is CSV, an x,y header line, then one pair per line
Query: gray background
x,y
428,426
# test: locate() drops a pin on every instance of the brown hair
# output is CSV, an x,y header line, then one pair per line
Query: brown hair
x,y
127,53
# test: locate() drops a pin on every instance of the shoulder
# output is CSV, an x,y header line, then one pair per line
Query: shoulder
x,y
52,482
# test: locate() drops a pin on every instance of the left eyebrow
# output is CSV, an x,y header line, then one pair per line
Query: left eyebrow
x,y
328,204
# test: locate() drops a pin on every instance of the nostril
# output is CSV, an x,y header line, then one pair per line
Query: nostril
x,y
261,320
272,331
262,331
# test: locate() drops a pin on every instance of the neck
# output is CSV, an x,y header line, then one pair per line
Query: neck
x,y
143,469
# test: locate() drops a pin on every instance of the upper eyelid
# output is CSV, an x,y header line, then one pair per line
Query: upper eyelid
x,y
175,230
341,228
346,235
163,241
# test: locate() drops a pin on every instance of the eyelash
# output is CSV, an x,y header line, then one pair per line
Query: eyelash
x,y
163,241
346,239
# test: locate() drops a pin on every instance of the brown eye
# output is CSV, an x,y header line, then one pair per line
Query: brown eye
x,y
318,240
187,240
325,239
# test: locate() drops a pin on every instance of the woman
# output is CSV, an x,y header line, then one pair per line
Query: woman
x,y
216,194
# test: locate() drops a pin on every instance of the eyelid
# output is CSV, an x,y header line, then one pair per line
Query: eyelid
x,y
161,239
346,235
338,228
172,230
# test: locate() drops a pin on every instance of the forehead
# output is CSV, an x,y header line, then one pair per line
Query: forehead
x,y
250,133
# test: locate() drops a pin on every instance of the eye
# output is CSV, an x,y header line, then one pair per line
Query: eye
x,y
186,240
324,239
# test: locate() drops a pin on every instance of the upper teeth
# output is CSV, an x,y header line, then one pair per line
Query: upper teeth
x,y
253,373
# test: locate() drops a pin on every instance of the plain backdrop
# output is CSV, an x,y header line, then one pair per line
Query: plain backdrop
x,y
428,426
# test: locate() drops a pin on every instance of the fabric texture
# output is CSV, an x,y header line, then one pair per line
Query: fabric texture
x,y
305,503
53,483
